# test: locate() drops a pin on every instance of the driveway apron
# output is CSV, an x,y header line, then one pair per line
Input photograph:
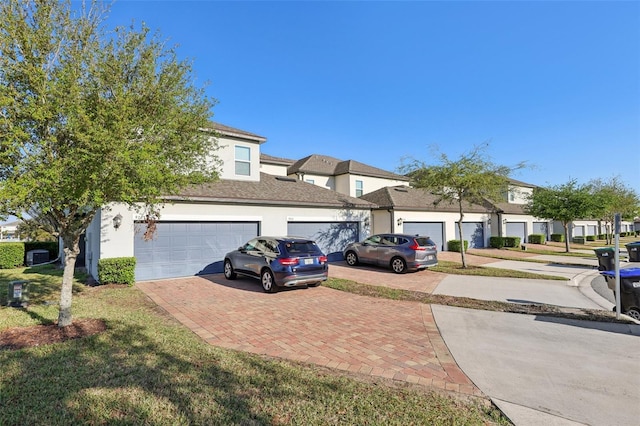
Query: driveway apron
x,y
377,337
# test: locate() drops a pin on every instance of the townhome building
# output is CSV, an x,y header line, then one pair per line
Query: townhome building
x,y
330,200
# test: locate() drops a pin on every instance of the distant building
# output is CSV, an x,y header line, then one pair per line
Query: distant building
x,y
9,231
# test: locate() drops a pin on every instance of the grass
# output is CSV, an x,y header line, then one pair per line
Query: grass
x,y
148,369
448,267
466,302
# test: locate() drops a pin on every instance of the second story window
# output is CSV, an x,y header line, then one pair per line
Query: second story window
x,y
243,161
359,188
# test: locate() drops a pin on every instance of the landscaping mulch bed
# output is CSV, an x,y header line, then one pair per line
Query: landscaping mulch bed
x,y
23,337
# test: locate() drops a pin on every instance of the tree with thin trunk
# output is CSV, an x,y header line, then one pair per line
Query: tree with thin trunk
x,y
90,117
613,196
564,203
471,179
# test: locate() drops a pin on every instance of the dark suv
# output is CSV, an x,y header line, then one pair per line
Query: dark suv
x,y
278,262
400,252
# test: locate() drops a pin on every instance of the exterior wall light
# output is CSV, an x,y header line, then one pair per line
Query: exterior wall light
x,y
504,221
400,221
117,221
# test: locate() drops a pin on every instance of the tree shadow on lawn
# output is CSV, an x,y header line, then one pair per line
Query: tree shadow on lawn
x,y
122,375
44,283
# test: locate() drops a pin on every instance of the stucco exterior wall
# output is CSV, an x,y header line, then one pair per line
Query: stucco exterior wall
x,y
104,241
519,194
328,182
226,153
273,169
384,221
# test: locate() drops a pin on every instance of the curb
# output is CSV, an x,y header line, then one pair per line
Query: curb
x,y
583,282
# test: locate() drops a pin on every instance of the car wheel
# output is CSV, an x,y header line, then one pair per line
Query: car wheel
x,y
634,313
268,282
351,258
228,270
398,265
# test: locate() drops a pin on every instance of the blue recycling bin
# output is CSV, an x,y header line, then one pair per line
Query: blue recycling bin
x,y
629,290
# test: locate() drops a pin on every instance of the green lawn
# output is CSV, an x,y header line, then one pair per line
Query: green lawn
x,y
456,268
148,369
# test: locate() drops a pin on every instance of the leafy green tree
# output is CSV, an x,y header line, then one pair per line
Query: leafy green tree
x,y
471,179
563,203
613,196
89,117
33,230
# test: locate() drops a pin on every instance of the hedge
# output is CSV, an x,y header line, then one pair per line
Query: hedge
x,y
537,239
577,240
117,270
496,242
454,245
11,255
511,241
591,237
558,238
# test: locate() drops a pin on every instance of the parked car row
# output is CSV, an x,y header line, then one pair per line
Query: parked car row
x,y
291,261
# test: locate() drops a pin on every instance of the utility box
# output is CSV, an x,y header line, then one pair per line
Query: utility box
x,y
36,257
17,294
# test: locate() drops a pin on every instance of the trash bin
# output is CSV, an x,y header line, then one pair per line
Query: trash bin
x,y
36,257
606,258
634,251
629,290
17,295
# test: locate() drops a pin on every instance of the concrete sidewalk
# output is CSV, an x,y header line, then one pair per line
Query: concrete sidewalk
x,y
540,369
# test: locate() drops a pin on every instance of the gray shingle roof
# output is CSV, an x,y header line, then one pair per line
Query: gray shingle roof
x,y
270,159
232,131
510,208
407,198
330,166
520,183
270,190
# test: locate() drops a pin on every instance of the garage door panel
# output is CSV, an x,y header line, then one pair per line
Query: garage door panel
x,y
541,228
189,248
331,237
517,229
473,232
435,230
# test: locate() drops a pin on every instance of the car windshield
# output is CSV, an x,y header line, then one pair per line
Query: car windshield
x,y
297,247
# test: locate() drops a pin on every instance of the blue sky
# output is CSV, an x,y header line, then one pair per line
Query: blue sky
x,y
555,84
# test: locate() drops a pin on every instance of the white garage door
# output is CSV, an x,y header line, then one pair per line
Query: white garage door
x,y
331,237
472,232
182,249
435,230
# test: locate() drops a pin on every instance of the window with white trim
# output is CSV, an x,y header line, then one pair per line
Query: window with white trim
x,y
359,188
243,160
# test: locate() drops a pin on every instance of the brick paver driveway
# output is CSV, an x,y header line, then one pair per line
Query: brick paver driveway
x,y
377,337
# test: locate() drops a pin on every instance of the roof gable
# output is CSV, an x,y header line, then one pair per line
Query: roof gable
x,y
329,166
408,198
